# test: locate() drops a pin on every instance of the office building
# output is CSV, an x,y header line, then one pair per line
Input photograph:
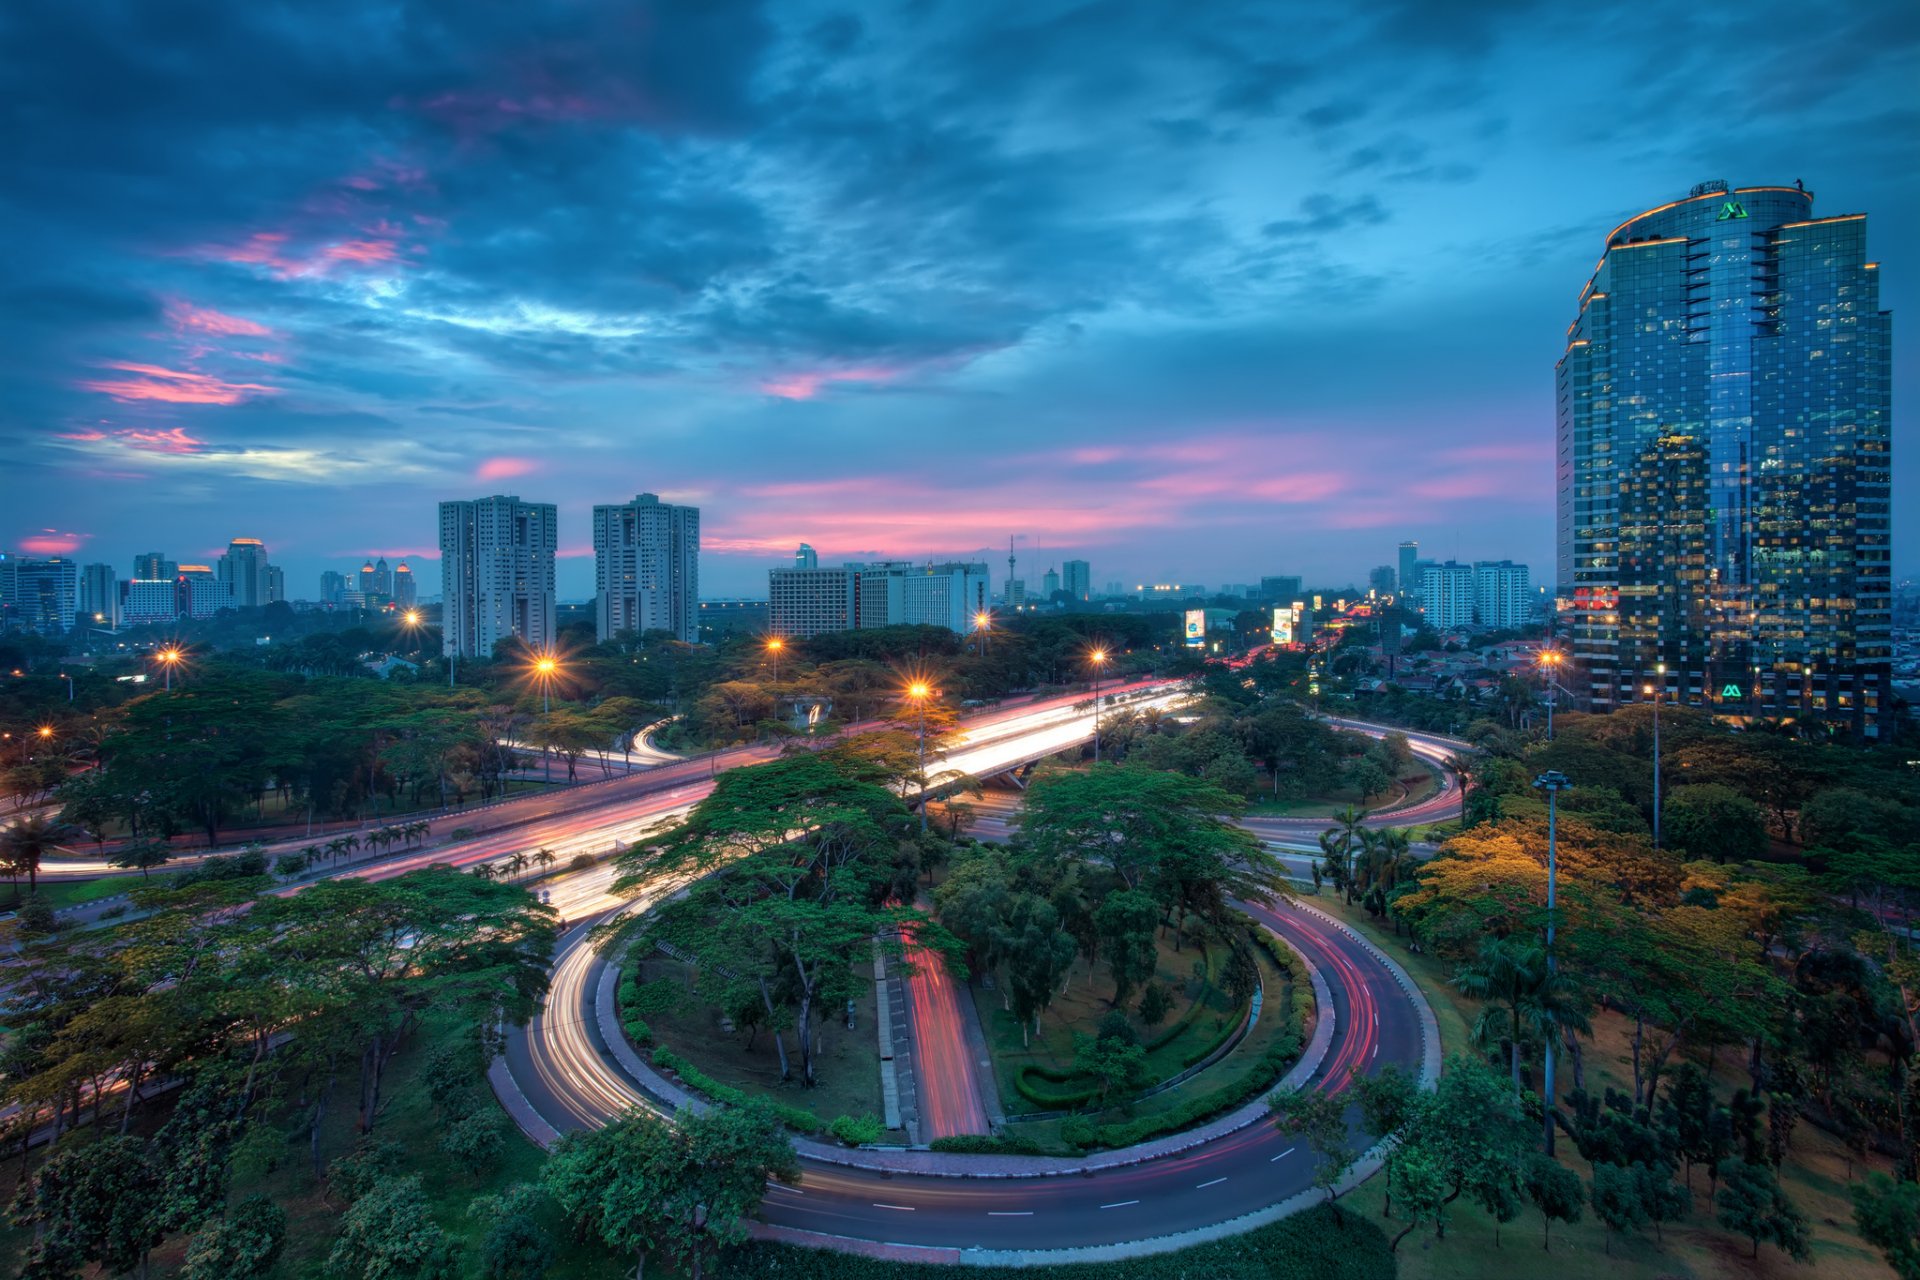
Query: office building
x,y
1447,595
364,579
1408,575
1076,579
333,585
382,578
855,597
41,595
199,592
805,558
150,600
154,567
100,596
1502,596
1381,579
496,574
406,592
1282,590
1049,585
646,567
1724,475
243,570
1015,596
276,583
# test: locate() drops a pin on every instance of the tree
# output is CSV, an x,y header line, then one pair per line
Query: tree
x,y
1556,1191
1887,1215
515,1248
98,1203
1710,820
1115,1061
243,1245
1156,1002
476,1141
389,1234
144,855
25,844
1753,1205
686,1189
1321,1119
1038,956
1617,1200
1524,999
1468,1135
1126,922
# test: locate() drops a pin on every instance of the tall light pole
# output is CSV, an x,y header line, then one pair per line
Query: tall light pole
x,y
169,659
983,627
1550,660
775,646
1098,659
1553,782
69,679
919,691
545,667
1656,690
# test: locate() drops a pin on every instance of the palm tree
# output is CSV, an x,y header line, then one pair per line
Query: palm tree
x,y
1466,767
1341,841
348,844
486,870
28,841
1523,992
544,858
516,863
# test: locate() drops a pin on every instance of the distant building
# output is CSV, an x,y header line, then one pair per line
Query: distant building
x,y
1049,584
153,567
805,558
1016,593
646,564
199,592
1502,597
1282,590
366,579
276,583
99,596
1724,476
382,578
1076,579
1381,579
855,597
1409,567
406,592
333,585
1447,593
730,617
150,600
243,570
45,594
497,574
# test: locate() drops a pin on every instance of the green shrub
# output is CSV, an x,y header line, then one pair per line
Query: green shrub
x,y
792,1117
986,1144
638,1032
1047,1099
857,1131
1273,1064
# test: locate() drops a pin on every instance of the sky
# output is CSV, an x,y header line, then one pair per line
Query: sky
x,y
1193,292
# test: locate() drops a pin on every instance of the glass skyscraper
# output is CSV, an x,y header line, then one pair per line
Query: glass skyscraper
x,y
1724,417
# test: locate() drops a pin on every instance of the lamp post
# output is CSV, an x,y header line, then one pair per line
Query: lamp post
x,y
1656,690
1553,782
775,646
919,691
69,679
544,668
169,659
1550,660
983,627
1098,659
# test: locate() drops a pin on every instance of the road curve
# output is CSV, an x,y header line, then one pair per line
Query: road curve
x,y
566,1073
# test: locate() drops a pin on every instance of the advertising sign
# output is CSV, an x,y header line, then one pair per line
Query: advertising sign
x,y
1283,626
1196,628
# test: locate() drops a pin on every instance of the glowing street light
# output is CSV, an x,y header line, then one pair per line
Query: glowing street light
x,y
775,647
170,658
545,668
1550,661
1097,658
983,627
918,692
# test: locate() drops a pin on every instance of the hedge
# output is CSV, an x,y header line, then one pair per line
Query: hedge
x,y
1273,1064
981,1144
1311,1245
792,1117
1051,1101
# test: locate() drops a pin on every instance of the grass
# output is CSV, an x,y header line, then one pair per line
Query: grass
x,y
60,894
1412,787
846,1063
1256,1042
1078,1011
1815,1177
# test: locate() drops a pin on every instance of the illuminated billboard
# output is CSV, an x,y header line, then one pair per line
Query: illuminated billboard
x,y
1196,628
1283,626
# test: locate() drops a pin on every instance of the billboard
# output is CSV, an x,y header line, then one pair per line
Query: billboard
x,y
1196,628
1283,626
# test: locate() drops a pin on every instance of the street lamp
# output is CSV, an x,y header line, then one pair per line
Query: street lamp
x,y
69,679
1098,659
1553,782
169,659
775,647
1550,661
1656,690
545,667
983,627
918,692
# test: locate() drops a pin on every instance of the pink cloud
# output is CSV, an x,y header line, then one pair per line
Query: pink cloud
x,y
505,468
143,439
52,542
274,252
362,251
806,385
173,386
183,315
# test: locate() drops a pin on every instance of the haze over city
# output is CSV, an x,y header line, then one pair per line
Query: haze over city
x,y
1186,301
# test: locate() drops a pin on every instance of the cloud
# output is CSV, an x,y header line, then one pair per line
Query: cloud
x,y
505,468
173,386
185,316
52,542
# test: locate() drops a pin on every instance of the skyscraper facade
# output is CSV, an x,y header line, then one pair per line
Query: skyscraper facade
x,y
1447,595
805,557
857,597
152,566
646,565
1724,469
406,592
100,595
1502,596
45,594
333,585
496,574
1076,579
243,571
1408,575
150,600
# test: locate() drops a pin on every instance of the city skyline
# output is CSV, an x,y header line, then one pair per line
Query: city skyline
x,y
1141,347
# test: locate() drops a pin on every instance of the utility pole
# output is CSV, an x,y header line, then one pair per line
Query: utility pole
x,y
1553,782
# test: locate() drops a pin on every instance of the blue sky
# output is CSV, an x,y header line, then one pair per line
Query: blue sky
x,y
1197,292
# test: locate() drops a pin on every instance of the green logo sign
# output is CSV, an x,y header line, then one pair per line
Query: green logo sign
x,y
1731,691
1732,209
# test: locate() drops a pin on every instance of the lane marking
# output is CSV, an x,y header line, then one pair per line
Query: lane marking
x,y
1119,1204
1216,1182
1009,1213
1283,1155
902,1208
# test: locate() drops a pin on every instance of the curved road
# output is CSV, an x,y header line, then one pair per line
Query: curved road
x,y
566,1072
